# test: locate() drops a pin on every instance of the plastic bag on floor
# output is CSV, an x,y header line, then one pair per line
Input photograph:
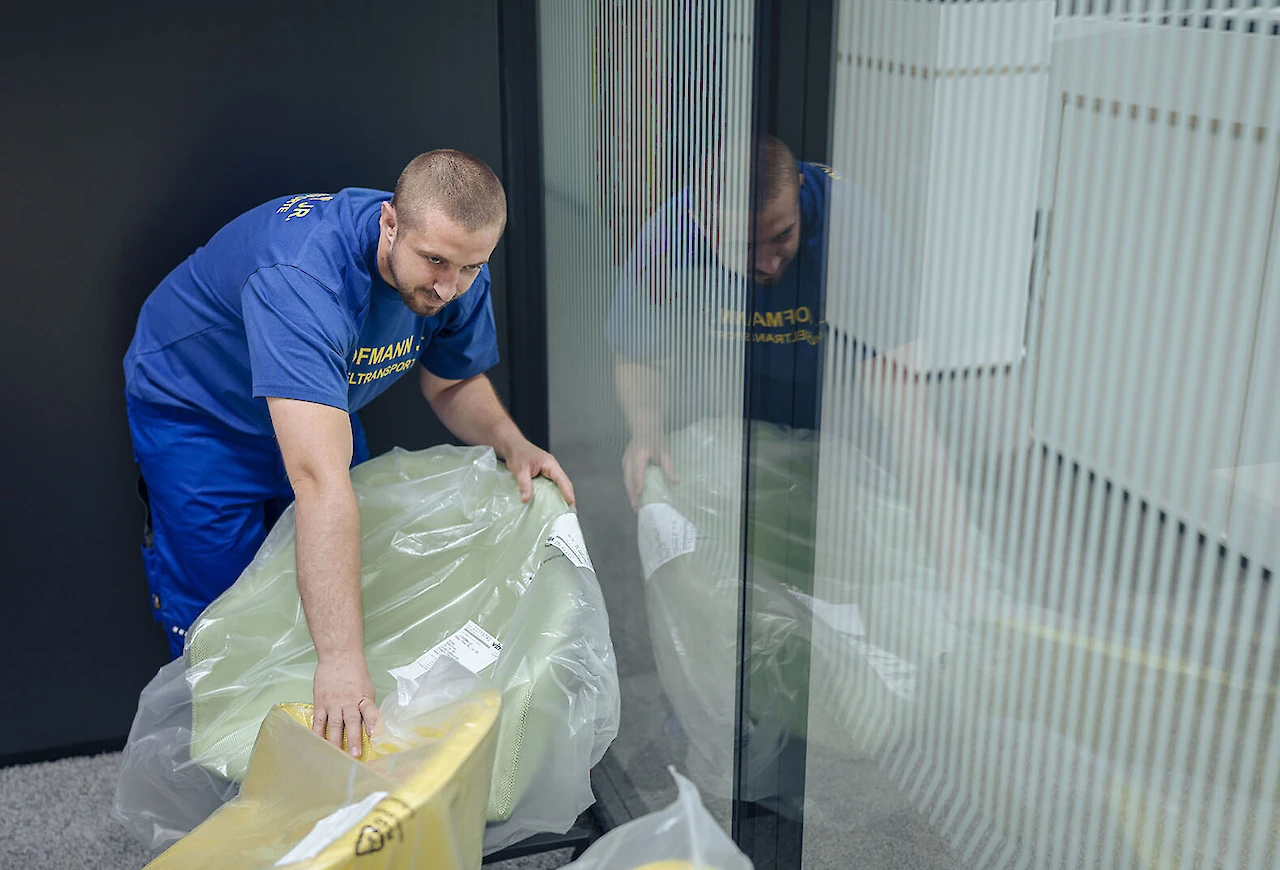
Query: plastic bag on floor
x,y
684,836
415,800
452,563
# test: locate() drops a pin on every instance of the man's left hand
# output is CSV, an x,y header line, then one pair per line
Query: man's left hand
x,y
527,461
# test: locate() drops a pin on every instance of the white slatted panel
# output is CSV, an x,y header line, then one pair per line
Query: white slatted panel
x,y
926,71
1095,682
1161,217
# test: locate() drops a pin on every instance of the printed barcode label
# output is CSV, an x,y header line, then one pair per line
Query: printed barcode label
x,y
470,646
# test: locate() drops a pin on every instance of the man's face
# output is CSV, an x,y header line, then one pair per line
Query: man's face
x,y
434,260
771,239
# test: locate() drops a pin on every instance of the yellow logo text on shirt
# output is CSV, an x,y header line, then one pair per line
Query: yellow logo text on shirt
x,y
399,356
302,205
774,319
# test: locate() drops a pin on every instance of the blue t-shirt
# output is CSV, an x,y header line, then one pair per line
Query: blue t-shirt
x,y
286,301
784,323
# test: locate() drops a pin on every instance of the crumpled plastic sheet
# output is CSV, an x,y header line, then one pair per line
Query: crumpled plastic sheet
x,y
684,836
414,800
447,547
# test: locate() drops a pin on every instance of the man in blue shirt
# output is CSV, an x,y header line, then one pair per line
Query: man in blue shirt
x,y
250,361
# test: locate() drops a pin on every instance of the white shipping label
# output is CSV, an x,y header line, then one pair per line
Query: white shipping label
x,y
566,536
663,534
330,828
470,646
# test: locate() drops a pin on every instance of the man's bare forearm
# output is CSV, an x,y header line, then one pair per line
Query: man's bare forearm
x,y
472,411
899,399
642,393
328,548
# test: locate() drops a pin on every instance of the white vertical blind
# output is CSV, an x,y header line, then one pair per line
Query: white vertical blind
x,y
1093,673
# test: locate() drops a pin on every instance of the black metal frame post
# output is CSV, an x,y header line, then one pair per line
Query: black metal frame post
x,y
578,838
526,230
791,100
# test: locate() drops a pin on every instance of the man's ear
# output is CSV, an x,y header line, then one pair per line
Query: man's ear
x,y
387,220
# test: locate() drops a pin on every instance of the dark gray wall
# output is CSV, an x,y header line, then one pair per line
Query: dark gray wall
x,y
130,135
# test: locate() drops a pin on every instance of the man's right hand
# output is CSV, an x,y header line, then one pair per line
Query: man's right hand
x,y
344,700
315,441
638,456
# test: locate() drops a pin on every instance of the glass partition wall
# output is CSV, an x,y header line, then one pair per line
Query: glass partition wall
x,y
915,363
646,110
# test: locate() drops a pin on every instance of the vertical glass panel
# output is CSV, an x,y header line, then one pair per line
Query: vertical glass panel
x,y
645,115
1044,632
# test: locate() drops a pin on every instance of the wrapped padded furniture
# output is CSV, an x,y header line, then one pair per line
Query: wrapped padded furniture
x,y
451,562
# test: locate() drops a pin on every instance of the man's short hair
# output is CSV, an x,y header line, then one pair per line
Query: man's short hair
x,y
739,173
460,185
775,170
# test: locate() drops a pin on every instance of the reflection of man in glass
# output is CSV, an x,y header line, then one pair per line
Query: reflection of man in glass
x,y
757,276
707,268
701,244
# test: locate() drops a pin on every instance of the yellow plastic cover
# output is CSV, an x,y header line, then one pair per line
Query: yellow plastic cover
x,y
414,800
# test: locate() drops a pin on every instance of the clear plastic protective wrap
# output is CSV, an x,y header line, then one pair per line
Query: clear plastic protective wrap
x,y
452,563
162,794
684,836
415,800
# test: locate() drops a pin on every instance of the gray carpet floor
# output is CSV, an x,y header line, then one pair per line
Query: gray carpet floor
x,y
55,816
